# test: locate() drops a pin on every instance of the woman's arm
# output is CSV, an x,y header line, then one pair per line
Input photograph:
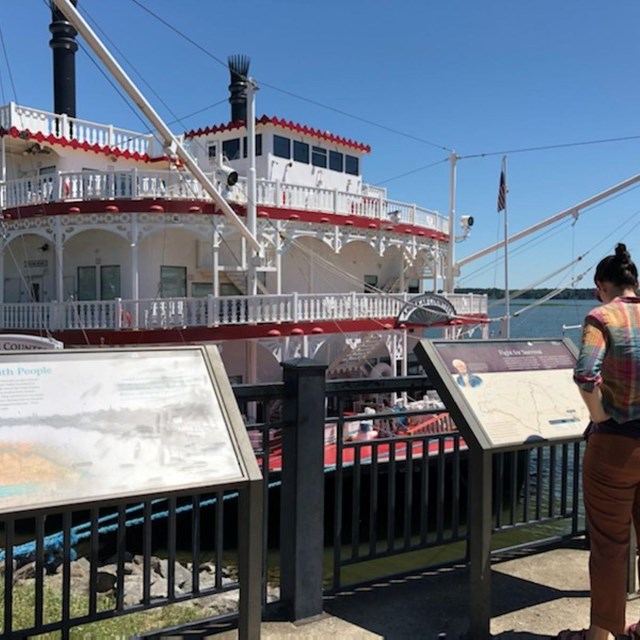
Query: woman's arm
x,y
593,400
587,370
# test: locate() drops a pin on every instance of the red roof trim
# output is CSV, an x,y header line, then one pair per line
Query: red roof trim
x,y
26,134
284,124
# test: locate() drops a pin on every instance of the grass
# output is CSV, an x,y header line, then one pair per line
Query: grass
x,y
123,626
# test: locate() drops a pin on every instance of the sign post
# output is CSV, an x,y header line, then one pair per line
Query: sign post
x,y
85,427
503,395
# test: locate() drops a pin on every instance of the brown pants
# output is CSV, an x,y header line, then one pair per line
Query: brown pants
x,y
611,487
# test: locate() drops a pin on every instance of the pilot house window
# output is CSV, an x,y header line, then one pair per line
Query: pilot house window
x,y
351,165
281,147
318,157
231,149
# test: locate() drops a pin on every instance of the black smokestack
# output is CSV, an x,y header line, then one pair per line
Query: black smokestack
x,y
64,47
239,69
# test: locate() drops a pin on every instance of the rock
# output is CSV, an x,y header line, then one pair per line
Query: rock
x,y
273,593
81,568
133,590
207,579
25,572
183,577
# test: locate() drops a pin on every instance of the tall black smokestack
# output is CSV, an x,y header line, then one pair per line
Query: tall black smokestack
x,y
239,69
64,47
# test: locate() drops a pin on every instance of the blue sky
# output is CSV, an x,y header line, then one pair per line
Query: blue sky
x,y
477,77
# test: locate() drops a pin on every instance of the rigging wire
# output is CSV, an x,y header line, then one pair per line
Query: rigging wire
x,y
578,278
548,147
6,57
564,145
290,93
408,173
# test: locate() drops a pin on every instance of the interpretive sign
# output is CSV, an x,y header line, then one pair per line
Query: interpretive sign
x,y
509,392
86,425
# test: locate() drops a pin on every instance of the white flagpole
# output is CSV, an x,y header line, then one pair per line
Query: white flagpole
x,y
507,306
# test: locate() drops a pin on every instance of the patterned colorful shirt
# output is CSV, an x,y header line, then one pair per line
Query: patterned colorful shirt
x,y
610,357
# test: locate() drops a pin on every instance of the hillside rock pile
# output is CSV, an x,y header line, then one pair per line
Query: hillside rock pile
x,y
107,580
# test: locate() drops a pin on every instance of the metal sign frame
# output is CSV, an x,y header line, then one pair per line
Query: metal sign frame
x,y
481,451
248,484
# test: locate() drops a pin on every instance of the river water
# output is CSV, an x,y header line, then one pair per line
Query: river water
x,y
546,320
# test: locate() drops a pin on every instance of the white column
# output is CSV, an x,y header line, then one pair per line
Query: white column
x,y
59,261
449,284
252,213
215,267
3,159
135,271
252,372
135,275
279,250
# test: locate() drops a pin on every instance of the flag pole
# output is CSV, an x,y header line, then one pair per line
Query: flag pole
x,y
507,305
502,206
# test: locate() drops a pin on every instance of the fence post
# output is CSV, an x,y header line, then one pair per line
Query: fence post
x,y
302,494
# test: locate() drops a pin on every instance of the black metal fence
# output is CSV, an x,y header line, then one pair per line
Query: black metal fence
x,y
329,507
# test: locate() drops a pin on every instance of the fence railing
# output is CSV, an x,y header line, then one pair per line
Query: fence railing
x,y
62,126
73,186
211,311
371,498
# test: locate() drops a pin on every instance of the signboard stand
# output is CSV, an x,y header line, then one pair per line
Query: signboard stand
x,y
90,427
503,395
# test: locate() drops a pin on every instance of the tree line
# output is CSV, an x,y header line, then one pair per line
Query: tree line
x,y
495,293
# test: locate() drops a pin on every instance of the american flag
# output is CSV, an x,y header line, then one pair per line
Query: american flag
x,y
502,192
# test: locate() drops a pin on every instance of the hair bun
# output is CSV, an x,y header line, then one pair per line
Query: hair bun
x,y
622,255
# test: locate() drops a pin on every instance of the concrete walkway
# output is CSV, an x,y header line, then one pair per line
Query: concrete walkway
x,y
534,595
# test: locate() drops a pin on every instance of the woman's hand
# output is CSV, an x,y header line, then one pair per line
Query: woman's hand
x,y
593,400
599,415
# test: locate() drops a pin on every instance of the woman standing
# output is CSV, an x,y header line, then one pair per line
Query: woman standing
x,y
608,376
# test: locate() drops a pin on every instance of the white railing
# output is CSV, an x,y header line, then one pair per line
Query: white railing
x,y
62,126
213,312
175,185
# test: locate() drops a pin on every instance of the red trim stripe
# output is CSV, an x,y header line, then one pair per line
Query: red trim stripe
x,y
197,335
283,124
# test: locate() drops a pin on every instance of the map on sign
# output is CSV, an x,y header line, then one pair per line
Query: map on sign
x,y
82,425
518,391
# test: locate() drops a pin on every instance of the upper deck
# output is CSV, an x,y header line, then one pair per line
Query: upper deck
x,y
57,159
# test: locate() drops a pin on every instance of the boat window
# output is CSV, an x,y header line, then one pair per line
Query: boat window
x,y
300,151
229,289
281,147
258,145
212,151
173,282
87,283
336,161
352,165
231,149
318,157
370,283
414,286
109,282
201,289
